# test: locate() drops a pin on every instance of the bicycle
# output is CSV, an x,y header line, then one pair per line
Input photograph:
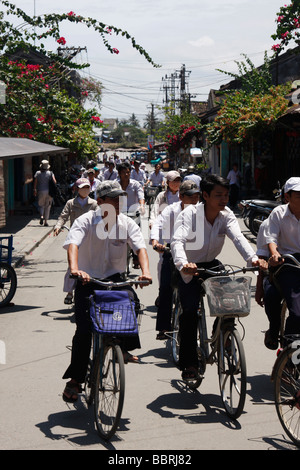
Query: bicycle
x,y
286,373
105,378
228,297
8,277
151,193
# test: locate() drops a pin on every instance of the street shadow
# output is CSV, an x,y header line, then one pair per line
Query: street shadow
x,y
191,406
277,441
161,353
260,389
13,308
76,427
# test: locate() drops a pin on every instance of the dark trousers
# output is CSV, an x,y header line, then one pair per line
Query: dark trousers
x,y
272,301
233,195
81,343
189,295
164,311
289,282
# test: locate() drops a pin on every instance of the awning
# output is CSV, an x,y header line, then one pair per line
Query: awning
x,y
13,147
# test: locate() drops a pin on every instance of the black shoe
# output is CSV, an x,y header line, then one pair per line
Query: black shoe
x,y
41,220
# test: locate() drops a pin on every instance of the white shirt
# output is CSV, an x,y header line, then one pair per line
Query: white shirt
x,y
139,176
284,230
135,193
163,227
107,175
102,254
156,179
234,177
195,178
262,248
195,240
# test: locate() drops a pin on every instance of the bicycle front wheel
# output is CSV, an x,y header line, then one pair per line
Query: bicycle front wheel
x,y
8,283
287,392
109,391
232,372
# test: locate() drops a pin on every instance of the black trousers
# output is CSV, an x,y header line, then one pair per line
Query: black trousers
x,y
288,281
164,310
81,344
189,295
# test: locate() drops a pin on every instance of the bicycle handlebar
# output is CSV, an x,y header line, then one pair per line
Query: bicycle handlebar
x,y
227,272
114,284
296,264
165,249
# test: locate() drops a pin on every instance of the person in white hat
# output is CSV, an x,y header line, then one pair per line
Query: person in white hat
x,y
41,190
73,209
164,198
284,238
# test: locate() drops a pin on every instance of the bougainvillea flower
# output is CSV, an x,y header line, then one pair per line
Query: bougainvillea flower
x,y
61,41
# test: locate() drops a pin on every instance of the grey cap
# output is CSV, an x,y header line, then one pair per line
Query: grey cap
x,y
188,187
110,189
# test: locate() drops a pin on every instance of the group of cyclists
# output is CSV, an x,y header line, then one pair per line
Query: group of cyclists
x,y
191,220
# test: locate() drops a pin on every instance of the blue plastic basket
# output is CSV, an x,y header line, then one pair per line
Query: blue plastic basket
x,y
113,312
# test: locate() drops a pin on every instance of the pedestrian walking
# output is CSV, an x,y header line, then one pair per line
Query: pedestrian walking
x,y
41,189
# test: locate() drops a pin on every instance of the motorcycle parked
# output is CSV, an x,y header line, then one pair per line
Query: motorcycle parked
x,y
255,211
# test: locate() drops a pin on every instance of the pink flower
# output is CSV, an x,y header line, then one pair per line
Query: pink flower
x,y
276,47
108,30
71,13
284,35
115,51
61,41
280,18
97,119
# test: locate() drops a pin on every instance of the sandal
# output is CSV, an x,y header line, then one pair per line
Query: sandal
x,y
190,373
71,391
161,335
270,342
68,299
130,358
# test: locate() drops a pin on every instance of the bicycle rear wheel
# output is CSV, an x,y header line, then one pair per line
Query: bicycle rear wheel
x,y
232,372
287,392
8,283
109,391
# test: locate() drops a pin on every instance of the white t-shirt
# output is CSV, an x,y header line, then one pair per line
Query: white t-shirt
x,y
102,254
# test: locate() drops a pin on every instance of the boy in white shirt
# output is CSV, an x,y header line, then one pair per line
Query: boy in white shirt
x,y
198,239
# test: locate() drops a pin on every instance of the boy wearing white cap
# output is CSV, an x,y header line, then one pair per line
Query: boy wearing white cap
x,y
284,238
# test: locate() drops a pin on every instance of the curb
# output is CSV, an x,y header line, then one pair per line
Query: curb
x,y
19,259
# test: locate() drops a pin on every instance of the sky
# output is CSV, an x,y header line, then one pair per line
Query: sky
x,y
203,35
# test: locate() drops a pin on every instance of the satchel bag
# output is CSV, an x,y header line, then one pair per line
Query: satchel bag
x,y
113,312
52,187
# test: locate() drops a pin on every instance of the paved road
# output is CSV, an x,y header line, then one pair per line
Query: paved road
x,y
160,413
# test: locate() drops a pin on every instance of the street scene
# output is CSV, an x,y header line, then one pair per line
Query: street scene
x,y
149,228
158,407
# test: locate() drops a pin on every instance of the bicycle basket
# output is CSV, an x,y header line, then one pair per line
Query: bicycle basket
x,y
114,312
151,191
228,296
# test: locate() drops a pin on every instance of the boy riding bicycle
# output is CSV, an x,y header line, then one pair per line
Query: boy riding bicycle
x,y
198,239
97,247
284,238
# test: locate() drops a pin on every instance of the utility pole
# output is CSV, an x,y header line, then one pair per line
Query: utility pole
x,y
175,89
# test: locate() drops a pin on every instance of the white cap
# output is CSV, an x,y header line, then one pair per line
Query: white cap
x,y
292,184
